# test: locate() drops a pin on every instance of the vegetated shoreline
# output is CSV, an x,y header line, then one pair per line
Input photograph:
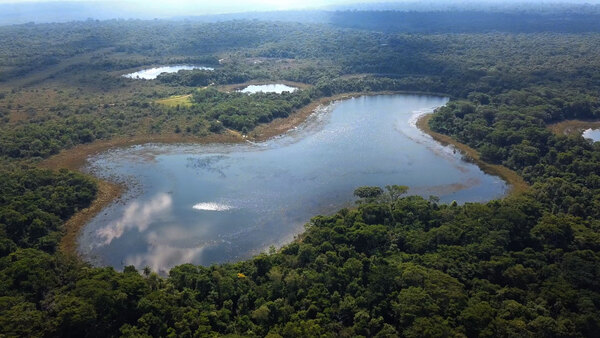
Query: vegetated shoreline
x,y
75,158
573,127
516,182
240,86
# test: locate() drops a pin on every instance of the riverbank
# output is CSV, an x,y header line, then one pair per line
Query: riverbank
x,y
516,182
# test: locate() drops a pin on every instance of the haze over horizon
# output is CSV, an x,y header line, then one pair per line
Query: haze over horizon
x,y
41,11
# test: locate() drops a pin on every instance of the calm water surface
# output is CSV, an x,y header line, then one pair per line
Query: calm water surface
x,y
268,88
208,204
593,134
153,73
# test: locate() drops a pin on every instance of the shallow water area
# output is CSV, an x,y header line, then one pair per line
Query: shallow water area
x,y
592,134
153,73
206,204
268,88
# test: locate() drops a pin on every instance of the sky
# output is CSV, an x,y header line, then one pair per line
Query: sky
x,y
203,6
275,4
22,11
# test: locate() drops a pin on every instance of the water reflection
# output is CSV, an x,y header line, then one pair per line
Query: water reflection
x,y
153,73
207,204
137,215
592,134
268,88
165,251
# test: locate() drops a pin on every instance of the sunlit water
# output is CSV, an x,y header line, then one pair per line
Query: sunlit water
x,y
153,73
593,134
268,88
208,204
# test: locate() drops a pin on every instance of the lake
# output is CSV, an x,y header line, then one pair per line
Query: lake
x,y
593,134
268,88
216,203
153,73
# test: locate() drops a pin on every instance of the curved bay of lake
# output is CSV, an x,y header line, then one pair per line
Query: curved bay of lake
x,y
206,204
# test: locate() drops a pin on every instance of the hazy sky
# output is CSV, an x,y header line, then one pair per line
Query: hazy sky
x,y
282,4
21,11
220,3
214,5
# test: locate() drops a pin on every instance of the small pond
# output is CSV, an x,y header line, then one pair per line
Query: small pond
x,y
268,88
593,134
206,204
153,73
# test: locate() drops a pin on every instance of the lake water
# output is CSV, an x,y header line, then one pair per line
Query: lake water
x,y
593,134
268,88
208,204
153,73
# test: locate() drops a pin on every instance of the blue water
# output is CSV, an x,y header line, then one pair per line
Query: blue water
x,y
153,73
593,134
208,204
268,88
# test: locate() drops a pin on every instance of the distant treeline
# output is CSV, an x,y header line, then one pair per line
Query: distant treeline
x,y
468,21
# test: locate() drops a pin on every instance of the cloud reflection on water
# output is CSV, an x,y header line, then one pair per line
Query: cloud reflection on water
x,y
136,216
162,257
167,247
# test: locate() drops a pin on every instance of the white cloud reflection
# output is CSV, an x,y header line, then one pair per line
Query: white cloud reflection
x,y
136,216
169,246
162,257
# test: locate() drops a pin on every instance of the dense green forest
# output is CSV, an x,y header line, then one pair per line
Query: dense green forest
x,y
395,265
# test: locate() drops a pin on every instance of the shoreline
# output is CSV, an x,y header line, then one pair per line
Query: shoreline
x,y
108,192
516,182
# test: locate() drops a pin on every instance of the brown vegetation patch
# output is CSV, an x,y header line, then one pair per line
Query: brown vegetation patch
x,y
572,127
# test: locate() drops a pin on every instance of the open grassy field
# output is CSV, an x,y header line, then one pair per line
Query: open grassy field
x,y
177,100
